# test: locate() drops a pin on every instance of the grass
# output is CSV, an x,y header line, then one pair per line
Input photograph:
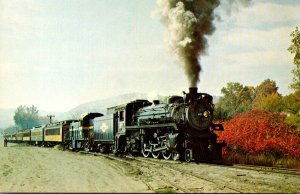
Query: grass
x,y
262,160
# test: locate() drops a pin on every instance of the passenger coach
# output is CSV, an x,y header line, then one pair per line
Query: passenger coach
x,y
55,133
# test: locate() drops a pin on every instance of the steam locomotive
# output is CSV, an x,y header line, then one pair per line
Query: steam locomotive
x,y
179,128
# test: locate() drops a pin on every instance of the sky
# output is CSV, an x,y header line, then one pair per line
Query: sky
x,y
59,54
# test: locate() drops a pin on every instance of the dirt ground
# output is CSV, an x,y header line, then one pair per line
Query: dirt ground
x,y
36,169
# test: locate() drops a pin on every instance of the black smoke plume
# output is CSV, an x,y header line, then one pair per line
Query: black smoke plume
x,y
188,23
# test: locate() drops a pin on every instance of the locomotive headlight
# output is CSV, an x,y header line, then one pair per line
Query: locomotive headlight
x,y
206,113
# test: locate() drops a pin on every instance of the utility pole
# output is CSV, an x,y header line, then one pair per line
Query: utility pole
x,y
50,116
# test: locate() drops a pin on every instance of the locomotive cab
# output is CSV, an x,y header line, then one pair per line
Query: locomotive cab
x,y
115,130
79,134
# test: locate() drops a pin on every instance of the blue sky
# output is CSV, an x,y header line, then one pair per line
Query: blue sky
x,y
58,54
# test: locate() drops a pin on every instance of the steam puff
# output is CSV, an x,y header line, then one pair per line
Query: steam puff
x,y
188,22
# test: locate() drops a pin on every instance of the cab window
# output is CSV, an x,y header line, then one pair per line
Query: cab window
x,y
122,115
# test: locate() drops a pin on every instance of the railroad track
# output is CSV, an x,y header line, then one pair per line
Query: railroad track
x,y
268,169
172,168
144,163
272,169
193,171
128,161
175,165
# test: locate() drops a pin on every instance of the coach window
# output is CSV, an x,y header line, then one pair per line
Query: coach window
x,y
122,115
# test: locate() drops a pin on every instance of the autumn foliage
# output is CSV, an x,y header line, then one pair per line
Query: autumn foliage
x,y
261,132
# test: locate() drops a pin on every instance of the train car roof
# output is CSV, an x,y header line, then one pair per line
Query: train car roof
x,y
125,104
60,123
27,130
38,127
90,115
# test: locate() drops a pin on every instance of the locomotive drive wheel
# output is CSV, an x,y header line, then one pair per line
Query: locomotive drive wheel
x,y
66,145
145,153
102,149
86,147
167,155
188,155
155,154
175,155
70,146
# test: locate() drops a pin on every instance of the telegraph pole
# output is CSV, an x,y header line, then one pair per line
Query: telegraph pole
x,y
50,116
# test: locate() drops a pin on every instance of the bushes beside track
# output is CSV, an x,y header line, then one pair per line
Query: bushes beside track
x,y
257,135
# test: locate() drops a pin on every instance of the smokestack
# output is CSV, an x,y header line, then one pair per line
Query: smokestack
x,y
193,90
193,94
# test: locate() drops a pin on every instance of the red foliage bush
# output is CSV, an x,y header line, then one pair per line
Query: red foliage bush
x,y
261,132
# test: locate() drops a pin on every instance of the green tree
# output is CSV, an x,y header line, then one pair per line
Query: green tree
x,y
271,103
294,48
26,117
292,108
266,88
267,97
236,99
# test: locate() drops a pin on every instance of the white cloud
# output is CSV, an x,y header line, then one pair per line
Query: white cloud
x,y
41,69
7,69
251,46
251,38
256,59
261,14
17,12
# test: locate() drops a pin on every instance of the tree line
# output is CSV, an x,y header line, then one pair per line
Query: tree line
x,y
26,117
237,98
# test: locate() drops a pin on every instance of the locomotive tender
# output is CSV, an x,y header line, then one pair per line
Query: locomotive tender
x,y
180,128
